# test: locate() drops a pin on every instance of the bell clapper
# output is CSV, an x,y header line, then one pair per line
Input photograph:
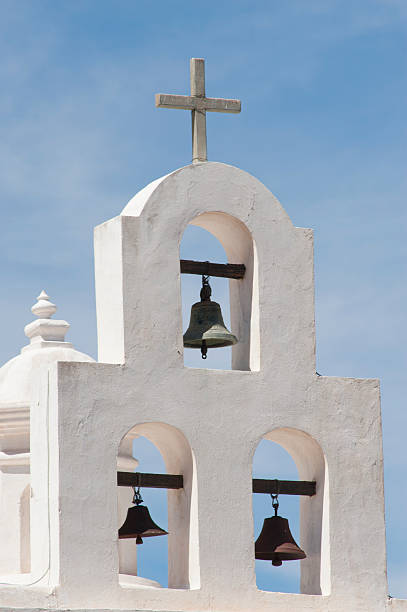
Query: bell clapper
x,y
204,350
137,499
274,502
205,294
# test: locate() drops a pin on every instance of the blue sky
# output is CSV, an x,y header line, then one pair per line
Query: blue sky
x,y
323,89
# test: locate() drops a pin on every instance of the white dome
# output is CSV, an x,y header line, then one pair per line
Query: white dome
x,y
19,376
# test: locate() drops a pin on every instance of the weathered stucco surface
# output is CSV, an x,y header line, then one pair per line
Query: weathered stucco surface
x,y
206,423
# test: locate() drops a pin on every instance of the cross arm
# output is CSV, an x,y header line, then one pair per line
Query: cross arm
x,y
218,105
172,101
222,105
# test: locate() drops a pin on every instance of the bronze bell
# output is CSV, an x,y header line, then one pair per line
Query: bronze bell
x,y
138,523
206,328
275,542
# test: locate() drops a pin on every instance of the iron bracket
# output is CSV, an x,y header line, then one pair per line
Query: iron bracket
x,y
206,268
176,481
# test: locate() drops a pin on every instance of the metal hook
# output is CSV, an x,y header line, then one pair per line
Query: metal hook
x,y
205,280
274,503
137,499
274,497
206,290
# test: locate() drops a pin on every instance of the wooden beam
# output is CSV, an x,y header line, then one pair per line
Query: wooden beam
x,y
235,271
150,481
285,487
176,481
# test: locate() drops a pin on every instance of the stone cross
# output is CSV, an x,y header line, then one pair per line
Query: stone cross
x,y
199,105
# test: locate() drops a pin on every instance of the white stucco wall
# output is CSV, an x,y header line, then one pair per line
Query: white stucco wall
x,y
207,423
19,379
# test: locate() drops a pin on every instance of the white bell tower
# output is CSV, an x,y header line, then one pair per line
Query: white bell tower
x,y
206,423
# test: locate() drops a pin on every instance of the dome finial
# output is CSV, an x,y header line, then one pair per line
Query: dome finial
x,y
44,330
44,308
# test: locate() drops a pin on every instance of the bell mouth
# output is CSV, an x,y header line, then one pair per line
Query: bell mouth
x,y
211,342
139,524
287,552
150,533
276,543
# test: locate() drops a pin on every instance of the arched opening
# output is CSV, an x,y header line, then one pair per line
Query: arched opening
x,y
200,245
272,461
171,560
221,238
299,458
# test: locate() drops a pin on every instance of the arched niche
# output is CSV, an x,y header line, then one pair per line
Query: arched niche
x,y
271,460
200,245
183,542
127,547
239,246
314,511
